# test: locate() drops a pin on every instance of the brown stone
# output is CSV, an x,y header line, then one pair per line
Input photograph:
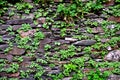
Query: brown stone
x,y
41,20
109,3
14,74
116,19
104,40
28,33
97,30
42,44
27,1
17,51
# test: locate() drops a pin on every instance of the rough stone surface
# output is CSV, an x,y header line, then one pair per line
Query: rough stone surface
x,y
97,30
17,51
54,72
28,33
118,32
113,55
2,27
116,19
19,21
2,32
42,44
4,46
7,37
27,0
31,15
111,26
67,78
70,39
16,27
41,20
114,77
85,42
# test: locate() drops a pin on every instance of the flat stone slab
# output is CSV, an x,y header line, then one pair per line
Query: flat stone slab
x,y
4,26
19,21
85,43
17,51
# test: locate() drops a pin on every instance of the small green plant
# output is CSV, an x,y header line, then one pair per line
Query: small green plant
x,y
19,59
25,27
27,11
51,65
64,54
113,10
22,6
68,68
97,75
79,61
41,61
89,30
13,68
1,39
63,32
57,43
39,35
24,74
67,12
47,47
46,26
87,49
78,76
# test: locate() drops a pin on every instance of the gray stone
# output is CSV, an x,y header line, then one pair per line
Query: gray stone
x,y
67,78
109,48
39,25
7,37
9,58
104,40
98,60
114,77
48,34
31,15
15,17
99,20
118,32
97,30
85,42
19,21
111,26
2,27
54,72
2,32
63,41
91,15
4,46
113,56
70,39
83,30
16,27
88,35
80,54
